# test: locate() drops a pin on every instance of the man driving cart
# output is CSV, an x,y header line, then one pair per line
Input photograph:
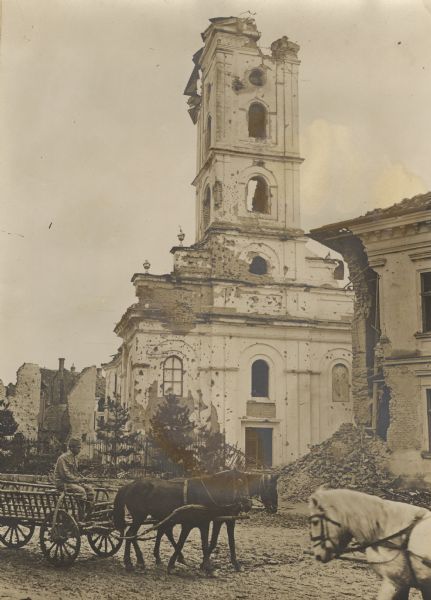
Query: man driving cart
x,y
68,479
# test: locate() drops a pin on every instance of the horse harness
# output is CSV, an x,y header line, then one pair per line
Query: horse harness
x,y
186,495
385,542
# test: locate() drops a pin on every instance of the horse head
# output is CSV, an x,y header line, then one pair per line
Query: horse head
x,y
227,489
327,532
268,492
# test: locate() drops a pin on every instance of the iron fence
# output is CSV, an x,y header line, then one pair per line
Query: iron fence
x,y
140,458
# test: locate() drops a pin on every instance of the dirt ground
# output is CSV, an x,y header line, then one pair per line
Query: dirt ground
x,y
270,548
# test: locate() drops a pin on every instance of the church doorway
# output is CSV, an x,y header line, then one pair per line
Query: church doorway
x,y
258,446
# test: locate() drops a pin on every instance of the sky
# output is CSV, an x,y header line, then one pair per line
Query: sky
x,y
97,151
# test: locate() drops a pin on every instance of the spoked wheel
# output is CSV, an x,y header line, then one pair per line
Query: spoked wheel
x,y
60,542
104,543
14,534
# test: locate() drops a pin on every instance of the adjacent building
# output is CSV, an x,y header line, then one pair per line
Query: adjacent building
x,y
251,328
52,404
389,256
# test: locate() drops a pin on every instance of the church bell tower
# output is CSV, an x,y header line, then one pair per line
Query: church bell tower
x,y
245,105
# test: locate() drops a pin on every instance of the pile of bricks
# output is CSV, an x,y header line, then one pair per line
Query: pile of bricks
x,y
353,459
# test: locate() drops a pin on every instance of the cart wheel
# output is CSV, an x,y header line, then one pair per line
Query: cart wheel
x,y
60,542
15,534
104,543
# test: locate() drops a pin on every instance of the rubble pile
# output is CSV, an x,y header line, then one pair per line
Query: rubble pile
x,y
350,458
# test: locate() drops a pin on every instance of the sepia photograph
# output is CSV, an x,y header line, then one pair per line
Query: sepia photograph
x,y
215,299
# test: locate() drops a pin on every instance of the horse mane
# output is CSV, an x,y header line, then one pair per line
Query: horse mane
x,y
366,517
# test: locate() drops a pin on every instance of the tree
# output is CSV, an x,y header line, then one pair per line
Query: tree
x,y
113,432
172,431
8,427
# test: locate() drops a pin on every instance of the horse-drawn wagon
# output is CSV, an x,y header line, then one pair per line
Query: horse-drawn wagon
x,y
26,505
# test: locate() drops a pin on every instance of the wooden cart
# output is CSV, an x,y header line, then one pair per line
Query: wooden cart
x,y
25,506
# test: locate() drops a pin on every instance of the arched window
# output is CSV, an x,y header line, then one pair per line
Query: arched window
x,y
259,379
258,266
208,134
173,376
257,120
258,195
340,383
206,208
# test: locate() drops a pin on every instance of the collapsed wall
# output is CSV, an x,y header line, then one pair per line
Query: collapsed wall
x,y
353,459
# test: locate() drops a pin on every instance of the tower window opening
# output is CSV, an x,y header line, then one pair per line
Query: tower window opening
x,y
206,208
259,379
257,120
258,195
208,134
258,266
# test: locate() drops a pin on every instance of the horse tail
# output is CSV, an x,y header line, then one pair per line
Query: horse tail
x,y
119,513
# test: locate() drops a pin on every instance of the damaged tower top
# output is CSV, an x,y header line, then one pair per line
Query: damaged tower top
x,y
221,33
244,100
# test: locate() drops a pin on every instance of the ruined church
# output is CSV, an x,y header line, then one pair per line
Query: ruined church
x,y
251,328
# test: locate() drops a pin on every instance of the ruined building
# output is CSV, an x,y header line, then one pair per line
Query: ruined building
x,y
250,328
54,404
389,256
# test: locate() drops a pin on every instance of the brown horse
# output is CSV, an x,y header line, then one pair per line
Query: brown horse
x,y
262,486
220,494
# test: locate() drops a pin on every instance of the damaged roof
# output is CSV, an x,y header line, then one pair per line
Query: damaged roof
x,y
333,233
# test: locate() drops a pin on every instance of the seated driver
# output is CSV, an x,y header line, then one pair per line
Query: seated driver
x,y
67,477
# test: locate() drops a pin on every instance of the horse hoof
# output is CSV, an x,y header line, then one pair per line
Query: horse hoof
x,y
237,567
129,568
140,567
181,560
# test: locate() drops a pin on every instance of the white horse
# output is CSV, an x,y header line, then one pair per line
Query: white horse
x,y
395,537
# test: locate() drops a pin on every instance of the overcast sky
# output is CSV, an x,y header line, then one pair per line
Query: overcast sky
x,y
98,151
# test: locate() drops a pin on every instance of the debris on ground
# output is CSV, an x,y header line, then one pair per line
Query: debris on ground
x,y
351,458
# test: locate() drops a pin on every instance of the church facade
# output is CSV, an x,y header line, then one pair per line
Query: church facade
x,y
251,328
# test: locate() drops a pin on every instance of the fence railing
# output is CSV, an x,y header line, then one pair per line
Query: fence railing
x,y
107,459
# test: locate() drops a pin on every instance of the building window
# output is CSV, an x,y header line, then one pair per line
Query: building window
x,y
206,208
426,301
340,383
258,195
208,134
101,405
260,379
257,120
258,266
429,418
173,376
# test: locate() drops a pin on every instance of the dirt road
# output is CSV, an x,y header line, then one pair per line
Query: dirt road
x,y
270,548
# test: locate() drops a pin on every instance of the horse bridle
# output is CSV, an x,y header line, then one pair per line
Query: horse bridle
x,y
320,540
324,537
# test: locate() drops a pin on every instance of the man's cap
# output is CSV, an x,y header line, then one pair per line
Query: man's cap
x,y
74,441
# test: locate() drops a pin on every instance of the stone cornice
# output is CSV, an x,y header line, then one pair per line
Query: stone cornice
x,y
135,315
215,150
399,225
410,360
